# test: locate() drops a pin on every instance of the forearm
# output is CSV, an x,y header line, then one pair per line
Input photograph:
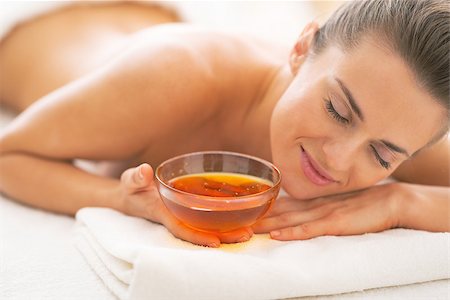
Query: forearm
x,y
425,208
54,185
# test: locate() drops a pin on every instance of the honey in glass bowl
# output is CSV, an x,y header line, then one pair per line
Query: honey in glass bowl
x,y
218,191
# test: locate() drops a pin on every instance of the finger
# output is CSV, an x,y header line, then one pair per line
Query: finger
x,y
168,220
236,236
137,178
181,231
303,231
292,218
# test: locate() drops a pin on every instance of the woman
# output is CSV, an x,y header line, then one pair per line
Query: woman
x,y
359,99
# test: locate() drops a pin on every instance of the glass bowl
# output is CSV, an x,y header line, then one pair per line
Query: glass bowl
x,y
250,186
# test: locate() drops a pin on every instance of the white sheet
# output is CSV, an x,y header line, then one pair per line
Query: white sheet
x,y
38,260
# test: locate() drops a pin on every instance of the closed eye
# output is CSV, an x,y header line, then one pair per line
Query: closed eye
x,y
334,114
382,162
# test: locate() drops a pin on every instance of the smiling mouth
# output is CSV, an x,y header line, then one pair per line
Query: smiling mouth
x,y
313,171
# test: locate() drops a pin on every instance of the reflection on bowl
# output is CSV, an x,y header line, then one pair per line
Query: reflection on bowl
x,y
217,191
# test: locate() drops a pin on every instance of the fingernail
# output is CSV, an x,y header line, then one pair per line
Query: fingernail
x,y
275,233
243,238
213,245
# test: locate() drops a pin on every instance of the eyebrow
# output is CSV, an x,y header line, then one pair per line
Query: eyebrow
x,y
357,111
350,99
395,148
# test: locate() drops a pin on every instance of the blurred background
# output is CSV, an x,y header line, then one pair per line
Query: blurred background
x,y
275,20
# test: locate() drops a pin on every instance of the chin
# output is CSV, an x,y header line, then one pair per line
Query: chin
x,y
298,187
294,186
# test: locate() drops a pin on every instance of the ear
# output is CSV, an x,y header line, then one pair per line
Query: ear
x,y
301,47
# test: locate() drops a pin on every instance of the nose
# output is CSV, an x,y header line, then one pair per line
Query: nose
x,y
341,154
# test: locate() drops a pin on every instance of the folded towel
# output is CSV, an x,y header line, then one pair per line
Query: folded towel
x,y
138,259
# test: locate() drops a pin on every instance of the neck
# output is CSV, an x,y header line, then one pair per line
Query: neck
x,y
253,125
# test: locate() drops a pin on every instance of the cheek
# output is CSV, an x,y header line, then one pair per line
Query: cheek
x,y
293,119
365,172
296,116
285,121
365,176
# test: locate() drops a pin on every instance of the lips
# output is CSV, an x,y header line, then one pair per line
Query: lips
x,y
313,171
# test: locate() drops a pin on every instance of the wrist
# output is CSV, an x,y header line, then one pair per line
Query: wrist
x,y
423,207
111,196
404,201
405,198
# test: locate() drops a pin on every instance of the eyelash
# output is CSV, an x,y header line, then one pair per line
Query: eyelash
x,y
382,162
335,115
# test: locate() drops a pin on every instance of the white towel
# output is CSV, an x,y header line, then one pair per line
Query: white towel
x,y
138,259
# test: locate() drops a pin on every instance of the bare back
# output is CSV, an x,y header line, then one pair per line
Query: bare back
x,y
61,58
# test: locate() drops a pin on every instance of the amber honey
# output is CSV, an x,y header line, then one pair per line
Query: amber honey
x,y
220,184
227,213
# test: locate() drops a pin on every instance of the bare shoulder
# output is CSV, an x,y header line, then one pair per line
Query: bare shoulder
x,y
163,68
192,67
208,50
429,166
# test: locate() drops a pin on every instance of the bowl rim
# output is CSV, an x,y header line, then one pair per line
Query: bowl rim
x,y
234,199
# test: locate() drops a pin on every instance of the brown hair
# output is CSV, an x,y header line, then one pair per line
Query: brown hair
x,y
417,30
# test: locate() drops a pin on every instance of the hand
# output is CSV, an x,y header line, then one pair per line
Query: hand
x,y
139,197
371,210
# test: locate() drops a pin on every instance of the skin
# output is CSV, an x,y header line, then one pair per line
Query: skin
x,y
135,114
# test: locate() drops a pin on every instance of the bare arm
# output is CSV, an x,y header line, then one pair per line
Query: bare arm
x,y
54,185
424,207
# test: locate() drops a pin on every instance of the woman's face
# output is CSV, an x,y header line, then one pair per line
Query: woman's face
x,y
348,120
